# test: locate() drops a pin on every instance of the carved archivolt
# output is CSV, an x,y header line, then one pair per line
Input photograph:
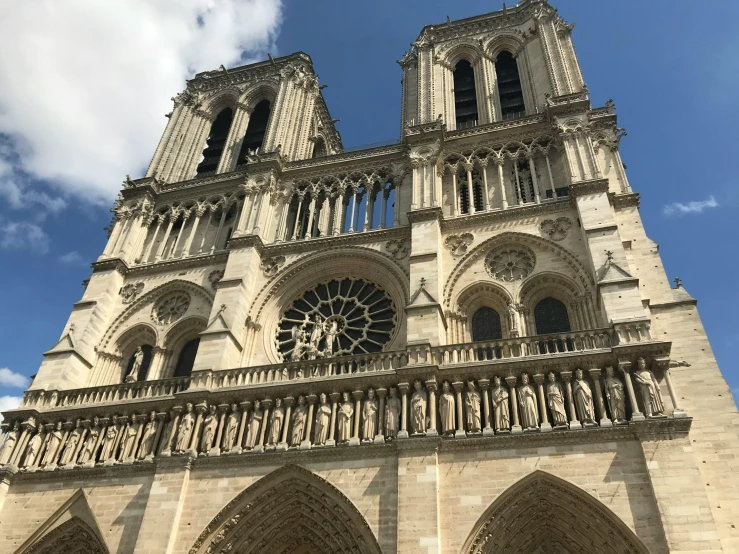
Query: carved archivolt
x,y
289,510
73,536
541,511
556,229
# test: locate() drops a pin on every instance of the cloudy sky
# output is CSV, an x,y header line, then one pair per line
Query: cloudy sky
x,y
84,86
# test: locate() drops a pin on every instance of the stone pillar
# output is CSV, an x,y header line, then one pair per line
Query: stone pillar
x,y
515,425
487,414
599,405
534,179
403,390
458,388
503,201
380,436
357,395
334,403
245,407
545,425
289,402
676,411
431,387
216,450
567,378
625,367
306,443
195,438
161,417
266,405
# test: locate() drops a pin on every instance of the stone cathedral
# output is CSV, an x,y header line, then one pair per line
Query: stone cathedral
x,y
462,341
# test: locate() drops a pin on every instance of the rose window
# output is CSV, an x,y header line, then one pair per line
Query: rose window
x,y
171,308
337,318
510,264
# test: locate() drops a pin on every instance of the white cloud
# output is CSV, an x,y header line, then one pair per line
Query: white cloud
x,y
16,235
10,378
72,258
8,403
86,84
694,207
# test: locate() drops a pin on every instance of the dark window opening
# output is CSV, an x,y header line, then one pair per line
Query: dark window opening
x,y
561,191
509,86
486,325
465,96
551,316
319,148
216,142
463,192
255,131
145,363
186,359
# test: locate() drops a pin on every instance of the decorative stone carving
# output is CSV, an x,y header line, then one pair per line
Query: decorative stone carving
x,y
583,399
171,308
108,450
528,403
34,447
392,414
499,395
210,427
650,391
369,417
615,396
146,448
214,277
555,229
187,423
255,422
419,403
270,266
130,291
53,444
510,264
138,359
397,248
473,403
88,447
323,421
232,427
9,444
556,402
276,421
300,417
70,447
457,244
130,434
447,410
346,412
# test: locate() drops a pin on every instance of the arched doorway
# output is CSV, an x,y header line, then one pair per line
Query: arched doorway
x,y
290,510
74,536
544,514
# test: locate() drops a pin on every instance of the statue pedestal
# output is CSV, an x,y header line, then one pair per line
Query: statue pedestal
x,y
489,432
637,416
282,447
330,442
575,425
379,439
545,427
215,451
678,413
354,441
305,445
516,430
605,422
403,434
258,448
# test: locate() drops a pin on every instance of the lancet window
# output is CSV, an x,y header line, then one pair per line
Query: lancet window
x,y
319,148
486,325
464,190
254,137
216,143
551,316
186,358
509,86
465,95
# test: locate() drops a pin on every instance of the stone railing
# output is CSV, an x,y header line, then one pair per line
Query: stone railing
x,y
305,369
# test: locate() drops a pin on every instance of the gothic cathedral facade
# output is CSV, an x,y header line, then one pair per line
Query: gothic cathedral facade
x,y
460,342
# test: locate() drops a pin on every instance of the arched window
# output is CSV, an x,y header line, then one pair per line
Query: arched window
x,y
486,325
215,143
319,148
186,359
463,191
509,86
254,136
551,316
145,363
465,96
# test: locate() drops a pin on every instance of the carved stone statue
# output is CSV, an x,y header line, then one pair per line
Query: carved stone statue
x,y
232,427
500,406
146,448
392,414
70,447
529,406
472,403
315,337
650,391
332,332
615,396
11,438
111,433
512,316
323,421
128,442
556,402
88,447
419,404
346,412
298,336
255,422
187,423
583,399
276,421
34,447
210,427
138,359
53,444
446,407
300,417
369,417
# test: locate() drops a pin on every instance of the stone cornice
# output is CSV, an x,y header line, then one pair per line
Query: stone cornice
x,y
176,265
246,241
588,187
347,239
495,127
425,214
512,213
625,200
369,153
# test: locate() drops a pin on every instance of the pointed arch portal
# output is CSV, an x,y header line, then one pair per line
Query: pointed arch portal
x,y
73,536
289,511
543,514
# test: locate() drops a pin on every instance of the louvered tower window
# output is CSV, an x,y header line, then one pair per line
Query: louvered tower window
x,y
509,86
215,143
254,137
551,317
486,325
465,96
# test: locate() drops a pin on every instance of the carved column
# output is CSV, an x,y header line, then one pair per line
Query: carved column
x,y
625,367
551,179
470,189
431,387
503,201
599,404
455,193
403,389
245,407
195,438
289,402
676,411
334,403
160,250
306,443
534,179
217,239
516,426
162,417
380,436
458,388
396,208
216,450
545,425
357,395
485,188
567,378
486,411
266,405
188,244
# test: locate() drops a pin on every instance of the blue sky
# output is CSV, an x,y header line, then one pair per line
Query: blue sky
x,y
670,68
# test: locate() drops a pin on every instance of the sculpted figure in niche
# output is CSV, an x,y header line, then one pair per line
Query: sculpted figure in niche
x,y
315,337
128,443
446,407
277,418
146,448
650,391
615,396
299,418
71,447
87,453
472,402
332,332
252,435
392,414
583,399
345,419
556,402
369,417
138,359
298,336
186,426
512,316
210,426
9,444
500,405
323,420
418,409
109,440
528,403
52,447
34,447
232,427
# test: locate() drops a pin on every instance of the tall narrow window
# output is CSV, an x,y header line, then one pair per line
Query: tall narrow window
x,y
186,359
551,317
254,137
465,96
215,143
463,191
509,86
486,325
319,148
